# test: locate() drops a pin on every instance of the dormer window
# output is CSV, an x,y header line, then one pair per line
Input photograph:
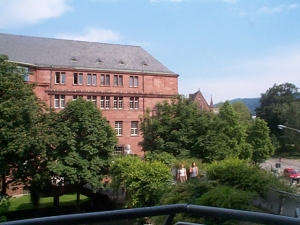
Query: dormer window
x,y
144,64
121,62
73,59
99,60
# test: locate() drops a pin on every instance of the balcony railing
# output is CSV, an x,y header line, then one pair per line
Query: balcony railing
x,y
169,210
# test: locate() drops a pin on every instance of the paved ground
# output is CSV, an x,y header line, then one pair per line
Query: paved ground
x,y
284,163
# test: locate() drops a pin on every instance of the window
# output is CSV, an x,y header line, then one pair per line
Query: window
x,y
134,103
78,78
105,80
59,101
26,72
76,97
91,79
118,102
118,80
134,127
118,128
93,99
118,150
133,81
104,102
60,78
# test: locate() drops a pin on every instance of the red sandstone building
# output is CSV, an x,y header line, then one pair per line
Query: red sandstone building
x,y
121,80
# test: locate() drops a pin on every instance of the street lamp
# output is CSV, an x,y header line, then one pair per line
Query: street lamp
x,y
285,127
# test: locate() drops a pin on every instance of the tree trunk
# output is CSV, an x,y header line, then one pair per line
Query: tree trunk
x,y
78,198
56,197
3,185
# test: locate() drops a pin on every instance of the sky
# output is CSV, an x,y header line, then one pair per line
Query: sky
x,y
227,49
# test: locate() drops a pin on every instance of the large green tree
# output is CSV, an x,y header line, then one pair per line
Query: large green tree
x,y
245,116
172,128
259,138
272,102
225,136
144,181
22,139
84,144
291,116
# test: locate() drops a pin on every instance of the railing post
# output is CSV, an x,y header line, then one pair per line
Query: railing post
x,y
297,213
169,219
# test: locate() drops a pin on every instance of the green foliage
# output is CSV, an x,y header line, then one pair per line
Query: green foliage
x,y
83,146
259,138
272,102
163,157
144,181
224,137
4,207
179,128
173,128
289,138
226,197
241,175
22,132
187,193
245,116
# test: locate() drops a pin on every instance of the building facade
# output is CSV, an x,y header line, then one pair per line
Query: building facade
x,y
121,80
202,104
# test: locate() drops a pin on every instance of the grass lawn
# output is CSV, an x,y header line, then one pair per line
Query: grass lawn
x,y
21,203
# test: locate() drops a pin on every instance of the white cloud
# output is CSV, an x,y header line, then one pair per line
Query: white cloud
x,y
17,13
247,78
271,10
93,35
293,6
278,9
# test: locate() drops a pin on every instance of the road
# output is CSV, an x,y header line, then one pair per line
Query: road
x,y
284,163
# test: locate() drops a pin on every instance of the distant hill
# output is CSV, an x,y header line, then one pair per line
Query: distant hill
x,y
251,103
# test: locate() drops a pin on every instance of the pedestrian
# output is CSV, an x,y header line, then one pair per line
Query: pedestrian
x,y
181,174
194,171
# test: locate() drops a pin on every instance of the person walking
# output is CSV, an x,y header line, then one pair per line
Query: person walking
x,y
194,171
181,174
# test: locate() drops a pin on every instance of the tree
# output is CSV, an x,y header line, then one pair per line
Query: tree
x,y
144,181
259,138
172,128
272,102
84,145
245,116
289,138
241,175
21,126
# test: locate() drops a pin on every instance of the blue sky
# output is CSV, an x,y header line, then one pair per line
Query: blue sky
x,y
226,48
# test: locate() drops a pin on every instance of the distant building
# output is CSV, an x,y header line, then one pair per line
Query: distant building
x,y
121,80
201,102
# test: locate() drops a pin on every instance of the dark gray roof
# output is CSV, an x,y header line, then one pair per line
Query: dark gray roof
x,y
46,52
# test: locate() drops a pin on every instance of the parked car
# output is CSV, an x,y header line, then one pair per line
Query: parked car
x,y
291,173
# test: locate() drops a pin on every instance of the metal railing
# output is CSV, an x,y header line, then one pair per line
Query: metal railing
x,y
169,210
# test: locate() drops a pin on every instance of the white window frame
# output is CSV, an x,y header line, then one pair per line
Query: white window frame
x,y
104,102
118,128
134,128
118,80
133,103
133,81
78,77
60,78
105,80
118,102
59,101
